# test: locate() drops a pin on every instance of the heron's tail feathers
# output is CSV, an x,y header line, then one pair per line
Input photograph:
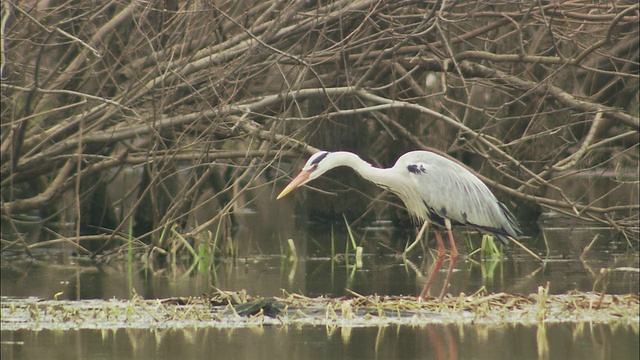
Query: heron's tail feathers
x,y
511,228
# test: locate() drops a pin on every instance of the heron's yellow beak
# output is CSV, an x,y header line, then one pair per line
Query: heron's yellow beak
x,y
297,181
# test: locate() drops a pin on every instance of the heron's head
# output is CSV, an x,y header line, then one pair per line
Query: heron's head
x,y
318,164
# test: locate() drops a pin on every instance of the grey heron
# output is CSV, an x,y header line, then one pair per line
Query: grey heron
x,y
433,188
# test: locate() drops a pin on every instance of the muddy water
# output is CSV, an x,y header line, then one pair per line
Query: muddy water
x,y
610,266
586,341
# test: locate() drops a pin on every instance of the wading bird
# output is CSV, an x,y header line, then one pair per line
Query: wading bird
x,y
433,188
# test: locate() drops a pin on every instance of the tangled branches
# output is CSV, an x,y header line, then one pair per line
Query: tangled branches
x,y
530,93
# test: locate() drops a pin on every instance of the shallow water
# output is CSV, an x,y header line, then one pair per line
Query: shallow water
x,y
261,269
552,341
609,266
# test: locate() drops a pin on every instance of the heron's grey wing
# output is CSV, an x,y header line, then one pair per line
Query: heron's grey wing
x,y
451,191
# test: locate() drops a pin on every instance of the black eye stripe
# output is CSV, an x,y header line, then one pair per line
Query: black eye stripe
x,y
319,158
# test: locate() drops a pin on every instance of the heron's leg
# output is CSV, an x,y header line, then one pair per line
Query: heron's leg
x,y
436,266
454,250
424,227
452,260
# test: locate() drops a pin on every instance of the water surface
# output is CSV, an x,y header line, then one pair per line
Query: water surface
x,y
611,265
553,341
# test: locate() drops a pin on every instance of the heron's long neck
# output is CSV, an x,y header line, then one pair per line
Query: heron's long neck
x,y
376,175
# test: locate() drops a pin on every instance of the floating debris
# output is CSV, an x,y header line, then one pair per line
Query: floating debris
x,y
270,307
237,309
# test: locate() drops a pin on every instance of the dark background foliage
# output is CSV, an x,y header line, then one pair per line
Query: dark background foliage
x,y
209,101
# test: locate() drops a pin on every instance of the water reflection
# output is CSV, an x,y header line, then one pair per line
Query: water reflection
x,y
545,341
608,267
